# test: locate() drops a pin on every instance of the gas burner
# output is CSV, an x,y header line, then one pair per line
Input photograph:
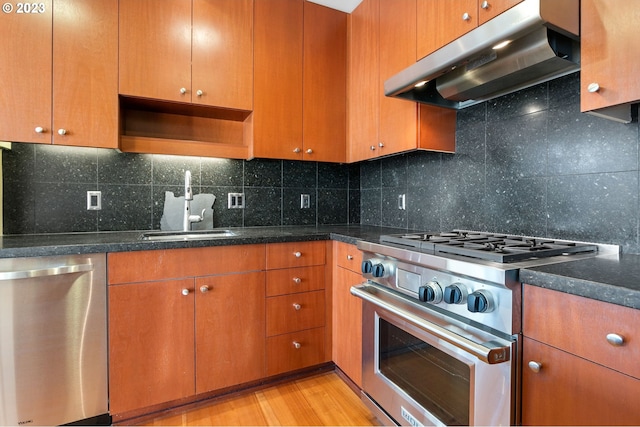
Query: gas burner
x,y
501,248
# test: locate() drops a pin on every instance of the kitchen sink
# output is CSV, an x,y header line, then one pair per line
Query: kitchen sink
x,y
186,235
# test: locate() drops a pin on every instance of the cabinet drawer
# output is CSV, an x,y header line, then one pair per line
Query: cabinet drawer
x,y
295,254
295,312
348,256
580,326
295,280
295,351
143,266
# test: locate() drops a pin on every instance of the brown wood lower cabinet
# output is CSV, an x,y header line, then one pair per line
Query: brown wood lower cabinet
x,y
575,372
151,344
186,323
229,319
569,390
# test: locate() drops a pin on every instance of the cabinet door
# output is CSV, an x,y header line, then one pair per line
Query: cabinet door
x,y
324,121
489,9
222,67
363,81
569,390
347,325
277,115
25,73
85,73
230,332
609,36
155,49
442,21
398,118
151,343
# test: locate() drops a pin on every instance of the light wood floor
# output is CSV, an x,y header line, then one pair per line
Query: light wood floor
x,y
321,400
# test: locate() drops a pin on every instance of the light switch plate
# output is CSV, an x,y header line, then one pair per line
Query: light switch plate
x,y
94,200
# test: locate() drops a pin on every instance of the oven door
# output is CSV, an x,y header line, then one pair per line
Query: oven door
x,y
423,368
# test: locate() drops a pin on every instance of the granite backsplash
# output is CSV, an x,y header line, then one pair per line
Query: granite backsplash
x,y
526,163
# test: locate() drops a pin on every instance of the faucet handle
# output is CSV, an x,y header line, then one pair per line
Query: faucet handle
x,y
202,214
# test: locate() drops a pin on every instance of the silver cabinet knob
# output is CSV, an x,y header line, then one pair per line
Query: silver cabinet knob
x,y
309,151
535,366
199,92
373,148
297,254
185,292
615,340
297,306
381,144
297,280
204,289
39,129
466,16
296,345
593,87
183,90
485,5
297,150
350,257
62,131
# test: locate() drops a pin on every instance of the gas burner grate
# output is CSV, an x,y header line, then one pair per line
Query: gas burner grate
x,y
501,248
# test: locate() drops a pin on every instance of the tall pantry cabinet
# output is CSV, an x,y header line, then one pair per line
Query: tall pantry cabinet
x,y
59,70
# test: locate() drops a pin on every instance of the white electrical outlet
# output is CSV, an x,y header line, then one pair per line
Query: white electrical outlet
x,y
235,201
305,201
94,200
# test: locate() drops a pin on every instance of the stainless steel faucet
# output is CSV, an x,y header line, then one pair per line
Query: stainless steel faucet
x,y
187,218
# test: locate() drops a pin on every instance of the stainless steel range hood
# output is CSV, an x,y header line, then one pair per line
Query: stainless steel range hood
x,y
543,36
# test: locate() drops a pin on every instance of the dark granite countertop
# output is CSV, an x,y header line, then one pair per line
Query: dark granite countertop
x,y
31,245
610,279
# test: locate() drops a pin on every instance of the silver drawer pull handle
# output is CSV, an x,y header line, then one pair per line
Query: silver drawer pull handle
x,y
535,366
350,257
593,87
204,289
297,254
297,280
615,340
296,345
185,292
297,306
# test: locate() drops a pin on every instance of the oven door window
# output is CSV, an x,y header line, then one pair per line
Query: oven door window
x,y
435,380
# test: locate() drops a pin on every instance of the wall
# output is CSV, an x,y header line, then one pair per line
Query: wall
x,y
528,163
45,190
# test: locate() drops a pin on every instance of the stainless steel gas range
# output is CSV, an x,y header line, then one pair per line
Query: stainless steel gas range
x,y
441,323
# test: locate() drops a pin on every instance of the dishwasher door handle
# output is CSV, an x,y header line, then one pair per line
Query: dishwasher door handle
x,y
44,272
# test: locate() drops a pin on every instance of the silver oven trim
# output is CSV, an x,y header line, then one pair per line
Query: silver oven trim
x,y
493,350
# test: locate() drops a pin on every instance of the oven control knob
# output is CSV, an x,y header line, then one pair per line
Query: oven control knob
x,y
455,294
480,302
367,267
431,292
379,270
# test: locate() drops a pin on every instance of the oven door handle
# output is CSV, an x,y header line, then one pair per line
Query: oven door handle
x,y
490,352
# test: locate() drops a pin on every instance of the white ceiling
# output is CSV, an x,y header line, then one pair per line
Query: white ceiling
x,y
343,5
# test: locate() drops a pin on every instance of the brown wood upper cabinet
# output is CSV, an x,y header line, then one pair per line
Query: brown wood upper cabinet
x,y
442,21
59,73
609,69
198,51
300,81
381,43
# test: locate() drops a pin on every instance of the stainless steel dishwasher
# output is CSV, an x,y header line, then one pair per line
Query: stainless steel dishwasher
x,y
53,340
